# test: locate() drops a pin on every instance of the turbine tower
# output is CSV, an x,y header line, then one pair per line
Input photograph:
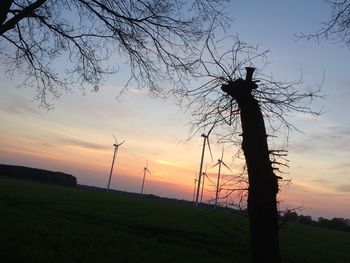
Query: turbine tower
x,y
205,141
204,174
194,189
220,162
145,170
116,146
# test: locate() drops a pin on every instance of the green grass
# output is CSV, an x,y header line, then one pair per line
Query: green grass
x,y
47,223
308,244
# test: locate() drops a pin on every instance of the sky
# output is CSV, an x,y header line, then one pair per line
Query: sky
x,y
76,137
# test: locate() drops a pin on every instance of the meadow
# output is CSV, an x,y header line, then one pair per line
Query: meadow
x,y
49,223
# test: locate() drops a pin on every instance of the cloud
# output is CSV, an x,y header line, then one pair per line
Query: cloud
x,y
330,186
19,105
324,139
83,144
172,164
322,182
343,188
302,147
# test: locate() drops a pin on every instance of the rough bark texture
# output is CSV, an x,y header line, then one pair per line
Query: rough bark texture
x,y
263,184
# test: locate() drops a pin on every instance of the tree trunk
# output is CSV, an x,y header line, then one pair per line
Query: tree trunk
x,y
263,184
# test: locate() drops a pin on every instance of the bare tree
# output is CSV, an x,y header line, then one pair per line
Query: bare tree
x,y
240,108
337,27
90,38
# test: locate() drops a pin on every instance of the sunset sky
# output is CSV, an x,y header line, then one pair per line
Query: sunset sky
x,y
76,137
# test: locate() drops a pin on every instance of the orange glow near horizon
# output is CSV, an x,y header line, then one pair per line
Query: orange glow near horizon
x,y
91,164
166,178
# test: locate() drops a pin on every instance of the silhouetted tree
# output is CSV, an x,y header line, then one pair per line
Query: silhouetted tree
x,y
340,224
337,27
305,220
238,106
290,216
157,39
38,175
324,222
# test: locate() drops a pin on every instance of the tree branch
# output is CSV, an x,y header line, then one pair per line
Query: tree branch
x,y
28,11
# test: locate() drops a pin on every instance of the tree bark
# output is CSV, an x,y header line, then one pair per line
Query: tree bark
x,y
263,186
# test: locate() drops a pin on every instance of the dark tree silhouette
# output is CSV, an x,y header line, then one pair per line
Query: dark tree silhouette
x,y
238,106
157,39
263,184
38,175
337,27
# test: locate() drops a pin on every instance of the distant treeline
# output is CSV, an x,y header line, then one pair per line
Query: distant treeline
x,y
337,223
38,175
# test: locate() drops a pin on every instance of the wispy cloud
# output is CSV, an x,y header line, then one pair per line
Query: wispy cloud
x,y
172,164
332,186
325,139
321,182
19,106
82,144
343,188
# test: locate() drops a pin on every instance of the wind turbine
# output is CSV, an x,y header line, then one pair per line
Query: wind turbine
x,y
205,140
220,161
194,189
204,174
145,170
116,146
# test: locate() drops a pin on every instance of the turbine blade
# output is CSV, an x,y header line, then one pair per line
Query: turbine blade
x,y
222,154
148,171
211,129
211,155
116,142
226,166
121,143
215,165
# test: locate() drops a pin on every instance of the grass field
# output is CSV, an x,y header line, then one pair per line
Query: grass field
x,y
47,223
